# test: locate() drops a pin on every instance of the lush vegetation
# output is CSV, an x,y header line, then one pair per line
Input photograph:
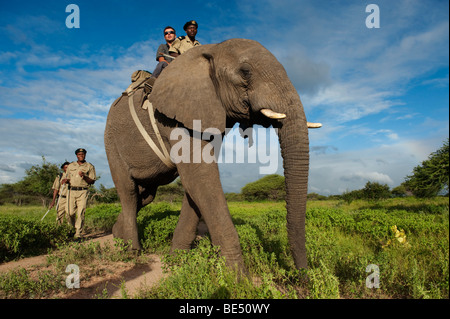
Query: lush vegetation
x,y
427,180
35,187
407,238
431,177
269,187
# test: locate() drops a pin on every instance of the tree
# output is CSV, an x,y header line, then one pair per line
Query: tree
x,y
401,191
14,194
39,180
173,192
103,194
431,177
269,187
375,191
350,196
36,184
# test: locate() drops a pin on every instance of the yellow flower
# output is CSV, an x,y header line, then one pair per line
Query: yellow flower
x,y
399,235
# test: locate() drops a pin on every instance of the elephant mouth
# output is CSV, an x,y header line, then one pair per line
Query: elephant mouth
x,y
279,116
208,146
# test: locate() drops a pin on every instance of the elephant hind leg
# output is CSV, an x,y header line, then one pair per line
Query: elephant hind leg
x,y
185,231
126,224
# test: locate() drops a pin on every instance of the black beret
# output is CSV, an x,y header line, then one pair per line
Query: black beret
x,y
192,22
80,150
65,163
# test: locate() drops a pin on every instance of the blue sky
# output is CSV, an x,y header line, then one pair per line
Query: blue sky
x,y
382,94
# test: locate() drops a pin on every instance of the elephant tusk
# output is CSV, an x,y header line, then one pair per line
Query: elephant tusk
x,y
272,115
314,125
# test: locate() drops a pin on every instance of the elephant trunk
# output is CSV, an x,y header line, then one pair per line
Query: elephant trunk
x,y
273,90
294,143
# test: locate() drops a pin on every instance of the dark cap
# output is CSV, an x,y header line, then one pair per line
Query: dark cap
x,y
65,163
80,150
192,22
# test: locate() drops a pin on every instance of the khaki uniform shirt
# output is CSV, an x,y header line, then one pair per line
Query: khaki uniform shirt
x,y
182,44
75,178
57,184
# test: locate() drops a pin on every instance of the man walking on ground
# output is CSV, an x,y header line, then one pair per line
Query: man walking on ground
x,y
80,175
60,189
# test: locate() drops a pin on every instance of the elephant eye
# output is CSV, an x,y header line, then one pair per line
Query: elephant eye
x,y
245,71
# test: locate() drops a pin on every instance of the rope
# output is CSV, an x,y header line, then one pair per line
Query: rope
x,y
164,155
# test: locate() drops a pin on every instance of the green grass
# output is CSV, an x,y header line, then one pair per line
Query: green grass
x,y
91,257
342,240
22,236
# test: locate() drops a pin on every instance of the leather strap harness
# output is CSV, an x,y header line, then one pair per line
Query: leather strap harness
x,y
164,154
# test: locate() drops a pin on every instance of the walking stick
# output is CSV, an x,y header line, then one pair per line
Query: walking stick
x,y
57,203
45,215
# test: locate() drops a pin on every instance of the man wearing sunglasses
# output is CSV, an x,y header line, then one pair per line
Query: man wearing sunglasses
x,y
184,43
162,55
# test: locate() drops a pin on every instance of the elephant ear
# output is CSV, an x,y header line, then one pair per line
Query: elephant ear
x,y
185,91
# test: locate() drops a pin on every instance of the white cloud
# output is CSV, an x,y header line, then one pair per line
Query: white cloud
x,y
368,176
343,71
337,172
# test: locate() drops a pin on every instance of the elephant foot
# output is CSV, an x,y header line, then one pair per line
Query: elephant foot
x,y
237,265
176,247
120,230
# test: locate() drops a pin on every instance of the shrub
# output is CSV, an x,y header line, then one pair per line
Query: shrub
x,y
350,196
173,192
103,216
270,187
432,176
234,197
156,225
375,191
21,236
323,284
315,196
202,274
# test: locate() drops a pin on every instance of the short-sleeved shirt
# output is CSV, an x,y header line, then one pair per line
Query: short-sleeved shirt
x,y
57,184
182,44
75,178
163,52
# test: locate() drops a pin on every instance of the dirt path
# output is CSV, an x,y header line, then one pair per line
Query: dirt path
x,y
124,278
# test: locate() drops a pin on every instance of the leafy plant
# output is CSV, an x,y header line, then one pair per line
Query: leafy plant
x,y
20,236
270,187
432,176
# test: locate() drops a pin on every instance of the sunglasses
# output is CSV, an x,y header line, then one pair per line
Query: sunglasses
x,y
169,32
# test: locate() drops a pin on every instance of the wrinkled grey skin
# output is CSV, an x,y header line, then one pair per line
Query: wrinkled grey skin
x,y
219,84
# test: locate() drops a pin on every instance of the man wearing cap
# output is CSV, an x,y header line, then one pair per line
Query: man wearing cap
x,y
80,175
184,43
60,189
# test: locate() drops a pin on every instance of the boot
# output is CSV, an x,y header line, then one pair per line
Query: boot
x,y
149,84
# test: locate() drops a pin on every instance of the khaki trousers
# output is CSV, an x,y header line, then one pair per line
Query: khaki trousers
x,y
61,210
76,209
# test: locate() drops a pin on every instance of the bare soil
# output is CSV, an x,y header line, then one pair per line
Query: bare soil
x,y
110,280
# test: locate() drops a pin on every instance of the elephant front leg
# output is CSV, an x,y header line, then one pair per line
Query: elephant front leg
x,y
126,229
202,183
185,231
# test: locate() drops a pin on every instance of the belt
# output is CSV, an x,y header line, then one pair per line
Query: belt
x,y
78,188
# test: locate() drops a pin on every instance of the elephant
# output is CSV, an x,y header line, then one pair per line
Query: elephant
x,y
235,81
